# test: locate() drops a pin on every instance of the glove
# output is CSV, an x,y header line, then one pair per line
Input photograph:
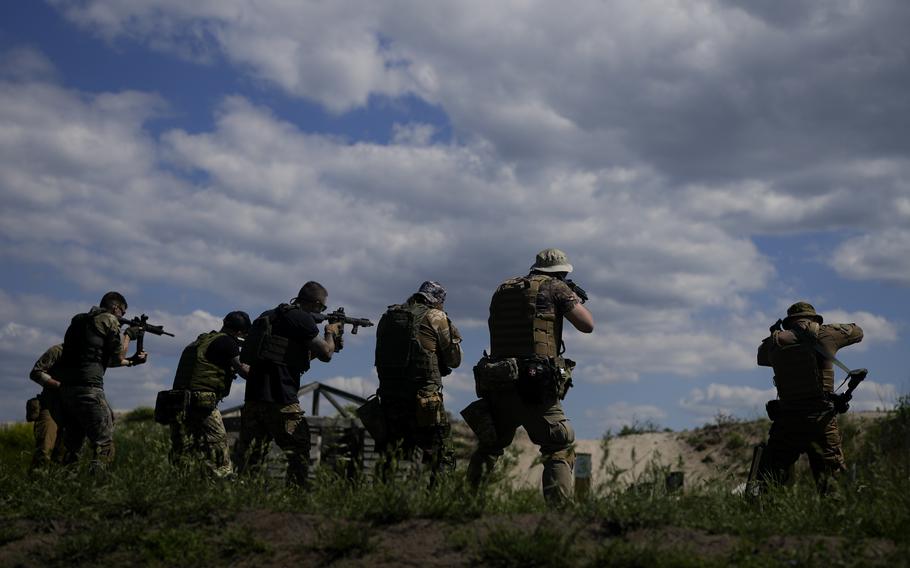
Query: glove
x,y
133,332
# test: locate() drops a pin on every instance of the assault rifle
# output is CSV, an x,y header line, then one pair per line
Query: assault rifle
x,y
142,324
579,291
339,316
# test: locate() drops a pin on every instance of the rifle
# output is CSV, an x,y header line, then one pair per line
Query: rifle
x,y
339,316
842,400
141,322
579,291
753,483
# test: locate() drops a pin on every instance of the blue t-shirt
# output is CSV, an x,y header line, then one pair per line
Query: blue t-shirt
x,y
273,382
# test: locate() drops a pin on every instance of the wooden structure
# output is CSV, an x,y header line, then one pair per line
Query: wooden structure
x,y
339,442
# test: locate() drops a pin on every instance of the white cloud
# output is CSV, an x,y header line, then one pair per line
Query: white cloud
x,y
879,255
876,329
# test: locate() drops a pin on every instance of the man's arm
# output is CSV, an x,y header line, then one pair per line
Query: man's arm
x,y
323,348
241,369
763,358
443,338
117,344
40,372
581,318
843,334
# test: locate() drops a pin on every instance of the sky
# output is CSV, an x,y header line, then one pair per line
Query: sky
x,y
703,163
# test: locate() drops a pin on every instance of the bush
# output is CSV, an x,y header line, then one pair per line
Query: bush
x,y
546,545
17,442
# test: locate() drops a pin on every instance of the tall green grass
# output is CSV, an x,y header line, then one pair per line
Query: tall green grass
x,y
147,510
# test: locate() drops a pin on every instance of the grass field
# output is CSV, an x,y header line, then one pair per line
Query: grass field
x,y
146,513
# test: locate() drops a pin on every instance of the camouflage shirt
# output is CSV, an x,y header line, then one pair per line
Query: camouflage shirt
x,y
437,334
48,363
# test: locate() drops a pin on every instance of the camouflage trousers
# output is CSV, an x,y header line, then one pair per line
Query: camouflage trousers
x,y
48,433
262,422
86,414
418,430
201,439
791,436
547,427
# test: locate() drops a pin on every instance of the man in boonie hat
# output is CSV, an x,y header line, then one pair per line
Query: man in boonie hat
x,y
524,378
801,351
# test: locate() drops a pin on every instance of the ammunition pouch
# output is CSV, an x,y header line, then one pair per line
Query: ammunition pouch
x,y
543,379
429,410
495,375
203,400
171,406
479,418
32,409
370,413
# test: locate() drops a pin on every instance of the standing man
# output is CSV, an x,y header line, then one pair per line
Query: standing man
x,y
92,344
523,380
281,344
207,367
417,345
48,434
801,352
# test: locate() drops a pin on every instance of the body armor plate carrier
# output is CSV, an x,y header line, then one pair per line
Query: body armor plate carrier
x,y
196,373
84,357
399,354
797,373
517,329
263,345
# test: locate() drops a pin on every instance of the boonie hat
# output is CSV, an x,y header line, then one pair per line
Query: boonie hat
x,y
551,260
801,310
433,291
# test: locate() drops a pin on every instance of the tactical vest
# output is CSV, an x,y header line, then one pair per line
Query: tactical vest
x,y
196,373
263,345
400,358
517,329
797,374
84,356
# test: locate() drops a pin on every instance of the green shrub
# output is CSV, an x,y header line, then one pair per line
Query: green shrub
x,y
17,442
140,414
547,545
341,539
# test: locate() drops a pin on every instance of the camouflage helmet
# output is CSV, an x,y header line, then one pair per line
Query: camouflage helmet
x,y
802,310
433,291
551,260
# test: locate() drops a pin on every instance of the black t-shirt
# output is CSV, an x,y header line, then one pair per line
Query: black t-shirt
x,y
221,352
271,382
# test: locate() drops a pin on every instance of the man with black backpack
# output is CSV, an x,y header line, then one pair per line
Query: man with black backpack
x,y
416,345
278,350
